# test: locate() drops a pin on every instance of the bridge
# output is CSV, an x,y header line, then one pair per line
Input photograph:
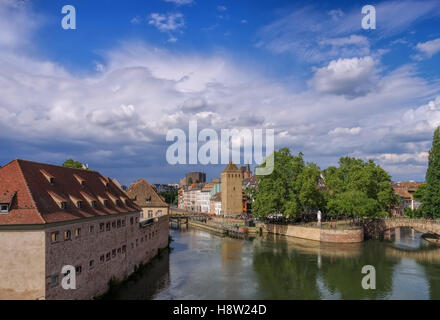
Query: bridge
x,y
373,228
181,217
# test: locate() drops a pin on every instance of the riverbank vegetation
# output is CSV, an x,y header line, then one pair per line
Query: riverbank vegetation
x,y
297,190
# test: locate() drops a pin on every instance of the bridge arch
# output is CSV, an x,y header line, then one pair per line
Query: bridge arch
x,y
373,228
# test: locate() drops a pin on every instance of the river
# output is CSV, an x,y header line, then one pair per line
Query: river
x,y
202,265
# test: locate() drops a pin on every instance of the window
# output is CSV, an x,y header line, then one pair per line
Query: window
x,y
119,223
119,250
77,232
52,181
91,264
67,235
131,220
93,203
79,204
54,236
107,256
101,227
114,224
124,248
4,208
159,213
148,200
107,226
114,253
101,259
78,269
137,219
91,229
150,214
106,203
123,223
63,205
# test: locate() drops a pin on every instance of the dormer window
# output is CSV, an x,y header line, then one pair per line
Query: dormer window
x,y
50,178
4,208
64,205
80,180
148,199
127,202
106,203
93,203
79,204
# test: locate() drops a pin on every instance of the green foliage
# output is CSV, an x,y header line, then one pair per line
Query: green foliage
x,y
291,190
170,196
420,193
431,192
358,188
414,214
190,181
70,163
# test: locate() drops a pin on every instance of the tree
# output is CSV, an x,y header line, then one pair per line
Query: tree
x,y
420,192
431,193
70,163
291,190
358,188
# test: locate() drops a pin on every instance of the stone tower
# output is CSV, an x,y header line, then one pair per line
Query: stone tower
x,y
232,194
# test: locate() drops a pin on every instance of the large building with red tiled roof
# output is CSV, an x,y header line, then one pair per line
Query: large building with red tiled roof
x,y
53,216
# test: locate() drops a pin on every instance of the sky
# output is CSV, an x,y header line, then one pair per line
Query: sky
x,y
108,92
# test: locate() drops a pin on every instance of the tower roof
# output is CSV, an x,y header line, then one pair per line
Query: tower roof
x,y
231,167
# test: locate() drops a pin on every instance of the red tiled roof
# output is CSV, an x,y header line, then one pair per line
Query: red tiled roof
x,y
140,190
35,200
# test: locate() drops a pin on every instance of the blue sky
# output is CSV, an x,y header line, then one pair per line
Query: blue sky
x,y
108,92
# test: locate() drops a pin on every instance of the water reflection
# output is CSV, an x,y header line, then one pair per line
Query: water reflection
x,y
207,266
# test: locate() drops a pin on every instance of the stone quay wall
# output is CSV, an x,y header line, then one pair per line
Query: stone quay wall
x,y
315,233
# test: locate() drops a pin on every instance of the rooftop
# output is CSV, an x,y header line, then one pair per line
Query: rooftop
x,y
41,193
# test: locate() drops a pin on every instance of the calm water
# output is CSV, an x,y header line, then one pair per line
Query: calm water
x,y
202,265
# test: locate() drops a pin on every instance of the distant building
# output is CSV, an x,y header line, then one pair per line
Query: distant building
x,y
246,171
165,187
193,178
232,190
406,190
53,216
146,197
204,198
215,207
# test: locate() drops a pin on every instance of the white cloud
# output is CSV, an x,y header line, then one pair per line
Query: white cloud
x,y
222,8
349,77
167,22
429,48
345,131
301,32
125,110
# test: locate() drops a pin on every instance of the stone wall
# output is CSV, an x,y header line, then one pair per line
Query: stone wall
x,y
22,272
316,234
123,248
